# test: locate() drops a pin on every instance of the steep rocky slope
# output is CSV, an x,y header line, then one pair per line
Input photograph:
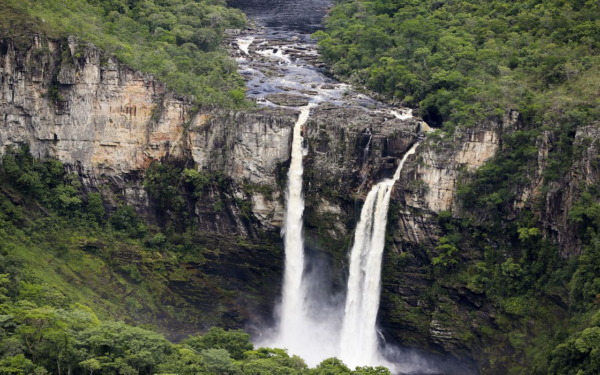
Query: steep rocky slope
x,y
108,123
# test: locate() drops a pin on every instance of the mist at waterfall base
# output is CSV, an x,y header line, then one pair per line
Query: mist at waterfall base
x,y
307,327
314,323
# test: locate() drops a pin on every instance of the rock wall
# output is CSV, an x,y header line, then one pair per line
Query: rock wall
x,y
70,101
107,122
446,317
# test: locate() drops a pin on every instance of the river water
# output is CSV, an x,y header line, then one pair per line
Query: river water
x,y
302,16
280,63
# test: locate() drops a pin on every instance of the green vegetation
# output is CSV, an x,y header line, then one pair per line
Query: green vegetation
x,y
179,41
465,64
39,335
57,235
465,61
60,301
545,307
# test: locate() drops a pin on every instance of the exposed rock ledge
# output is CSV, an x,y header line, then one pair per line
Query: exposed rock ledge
x,y
109,122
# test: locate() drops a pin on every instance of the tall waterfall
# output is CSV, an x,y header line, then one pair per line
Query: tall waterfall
x,y
294,324
358,341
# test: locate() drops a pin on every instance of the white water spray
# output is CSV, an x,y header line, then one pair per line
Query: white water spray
x,y
298,332
244,44
292,309
275,53
404,115
358,341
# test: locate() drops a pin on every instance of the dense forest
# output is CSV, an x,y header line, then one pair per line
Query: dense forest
x,y
178,41
55,320
72,300
463,61
463,64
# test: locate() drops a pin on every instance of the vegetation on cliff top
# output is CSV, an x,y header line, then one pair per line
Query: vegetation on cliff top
x,y
464,61
179,41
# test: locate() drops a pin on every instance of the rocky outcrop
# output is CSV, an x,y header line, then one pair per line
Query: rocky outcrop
x,y
70,101
108,123
449,316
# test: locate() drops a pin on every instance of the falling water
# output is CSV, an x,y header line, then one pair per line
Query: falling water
x,y
296,329
292,309
358,341
367,148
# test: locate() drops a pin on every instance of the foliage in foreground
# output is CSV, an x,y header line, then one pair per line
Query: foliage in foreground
x,y
46,322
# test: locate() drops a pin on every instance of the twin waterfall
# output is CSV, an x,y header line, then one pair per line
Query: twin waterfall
x,y
358,341
316,338
294,322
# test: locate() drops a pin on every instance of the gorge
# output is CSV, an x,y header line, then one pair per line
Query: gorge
x,y
308,326
318,216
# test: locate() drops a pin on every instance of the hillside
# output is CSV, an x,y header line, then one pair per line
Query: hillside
x,y
142,197
520,79
179,41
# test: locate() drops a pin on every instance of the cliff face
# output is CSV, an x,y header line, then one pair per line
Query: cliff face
x,y
108,123
70,101
415,309
448,316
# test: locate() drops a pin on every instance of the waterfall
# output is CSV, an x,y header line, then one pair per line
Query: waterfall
x,y
367,147
358,341
292,306
297,331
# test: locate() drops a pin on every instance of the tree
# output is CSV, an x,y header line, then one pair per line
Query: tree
x,y
368,370
35,325
17,365
91,365
184,361
267,366
236,342
272,361
130,348
218,361
331,366
95,207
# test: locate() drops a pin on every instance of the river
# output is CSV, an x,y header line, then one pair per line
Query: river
x,y
279,62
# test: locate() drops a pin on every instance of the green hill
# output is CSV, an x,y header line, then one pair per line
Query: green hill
x,y
178,41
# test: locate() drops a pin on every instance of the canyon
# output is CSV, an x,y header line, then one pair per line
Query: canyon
x,y
107,123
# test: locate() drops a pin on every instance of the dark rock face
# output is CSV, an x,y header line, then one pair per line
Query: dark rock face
x,y
236,282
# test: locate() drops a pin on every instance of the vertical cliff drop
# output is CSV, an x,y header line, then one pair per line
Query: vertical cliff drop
x,y
358,341
294,324
309,323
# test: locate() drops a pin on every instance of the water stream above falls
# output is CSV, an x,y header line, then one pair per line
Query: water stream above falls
x,y
279,60
280,64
